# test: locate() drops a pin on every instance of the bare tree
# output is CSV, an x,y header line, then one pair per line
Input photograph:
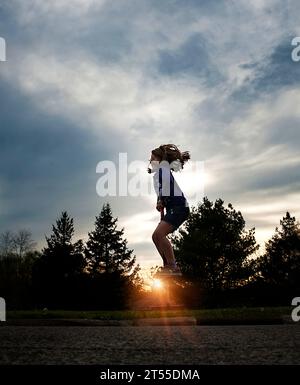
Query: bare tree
x,y
16,244
7,246
23,242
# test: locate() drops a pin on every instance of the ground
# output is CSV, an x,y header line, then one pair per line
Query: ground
x,y
238,344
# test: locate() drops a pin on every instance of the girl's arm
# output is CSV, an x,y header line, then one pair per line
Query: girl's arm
x,y
160,207
164,178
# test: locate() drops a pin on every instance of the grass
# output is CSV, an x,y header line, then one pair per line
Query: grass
x,y
236,314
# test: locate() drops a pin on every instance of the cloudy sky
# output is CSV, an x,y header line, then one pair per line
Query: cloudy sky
x,y
86,80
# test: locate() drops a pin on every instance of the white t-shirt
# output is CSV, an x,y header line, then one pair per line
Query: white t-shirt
x,y
167,188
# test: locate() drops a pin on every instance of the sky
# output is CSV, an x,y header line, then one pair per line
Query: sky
x,y
86,80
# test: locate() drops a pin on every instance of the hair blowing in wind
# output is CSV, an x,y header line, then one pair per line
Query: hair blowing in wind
x,y
171,153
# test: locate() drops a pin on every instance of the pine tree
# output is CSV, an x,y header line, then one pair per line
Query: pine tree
x,y
280,265
64,256
60,264
106,251
213,247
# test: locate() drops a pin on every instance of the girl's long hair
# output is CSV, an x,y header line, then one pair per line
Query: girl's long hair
x,y
171,153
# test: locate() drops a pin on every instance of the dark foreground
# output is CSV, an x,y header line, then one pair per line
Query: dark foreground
x,y
247,344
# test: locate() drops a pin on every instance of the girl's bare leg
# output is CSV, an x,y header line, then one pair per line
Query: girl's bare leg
x,y
161,242
161,253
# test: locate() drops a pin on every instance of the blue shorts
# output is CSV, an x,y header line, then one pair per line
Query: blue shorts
x,y
176,215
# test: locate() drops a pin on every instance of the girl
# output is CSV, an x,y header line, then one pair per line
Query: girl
x,y
165,159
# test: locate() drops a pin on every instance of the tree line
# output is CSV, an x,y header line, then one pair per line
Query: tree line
x,y
68,274
219,259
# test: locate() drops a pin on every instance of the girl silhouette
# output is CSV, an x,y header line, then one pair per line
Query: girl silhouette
x,y
164,160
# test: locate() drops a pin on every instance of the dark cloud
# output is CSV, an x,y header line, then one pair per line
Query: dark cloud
x,y
276,178
47,165
272,73
192,58
48,162
284,130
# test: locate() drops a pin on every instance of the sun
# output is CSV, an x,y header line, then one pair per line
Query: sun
x,y
157,284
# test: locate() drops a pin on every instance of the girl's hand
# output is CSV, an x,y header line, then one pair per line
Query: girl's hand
x,y
159,206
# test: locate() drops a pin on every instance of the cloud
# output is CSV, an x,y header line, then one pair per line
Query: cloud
x,y
182,61
108,100
86,80
32,10
277,71
258,161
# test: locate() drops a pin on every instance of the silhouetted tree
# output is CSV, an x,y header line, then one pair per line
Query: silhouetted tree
x,y
23,242
16,279
16,261
16,244
106,251
110,263
6,244
213,247
64,256
60,263
280,265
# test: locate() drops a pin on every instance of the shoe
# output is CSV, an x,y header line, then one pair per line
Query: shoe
x,y
170,270
176,271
